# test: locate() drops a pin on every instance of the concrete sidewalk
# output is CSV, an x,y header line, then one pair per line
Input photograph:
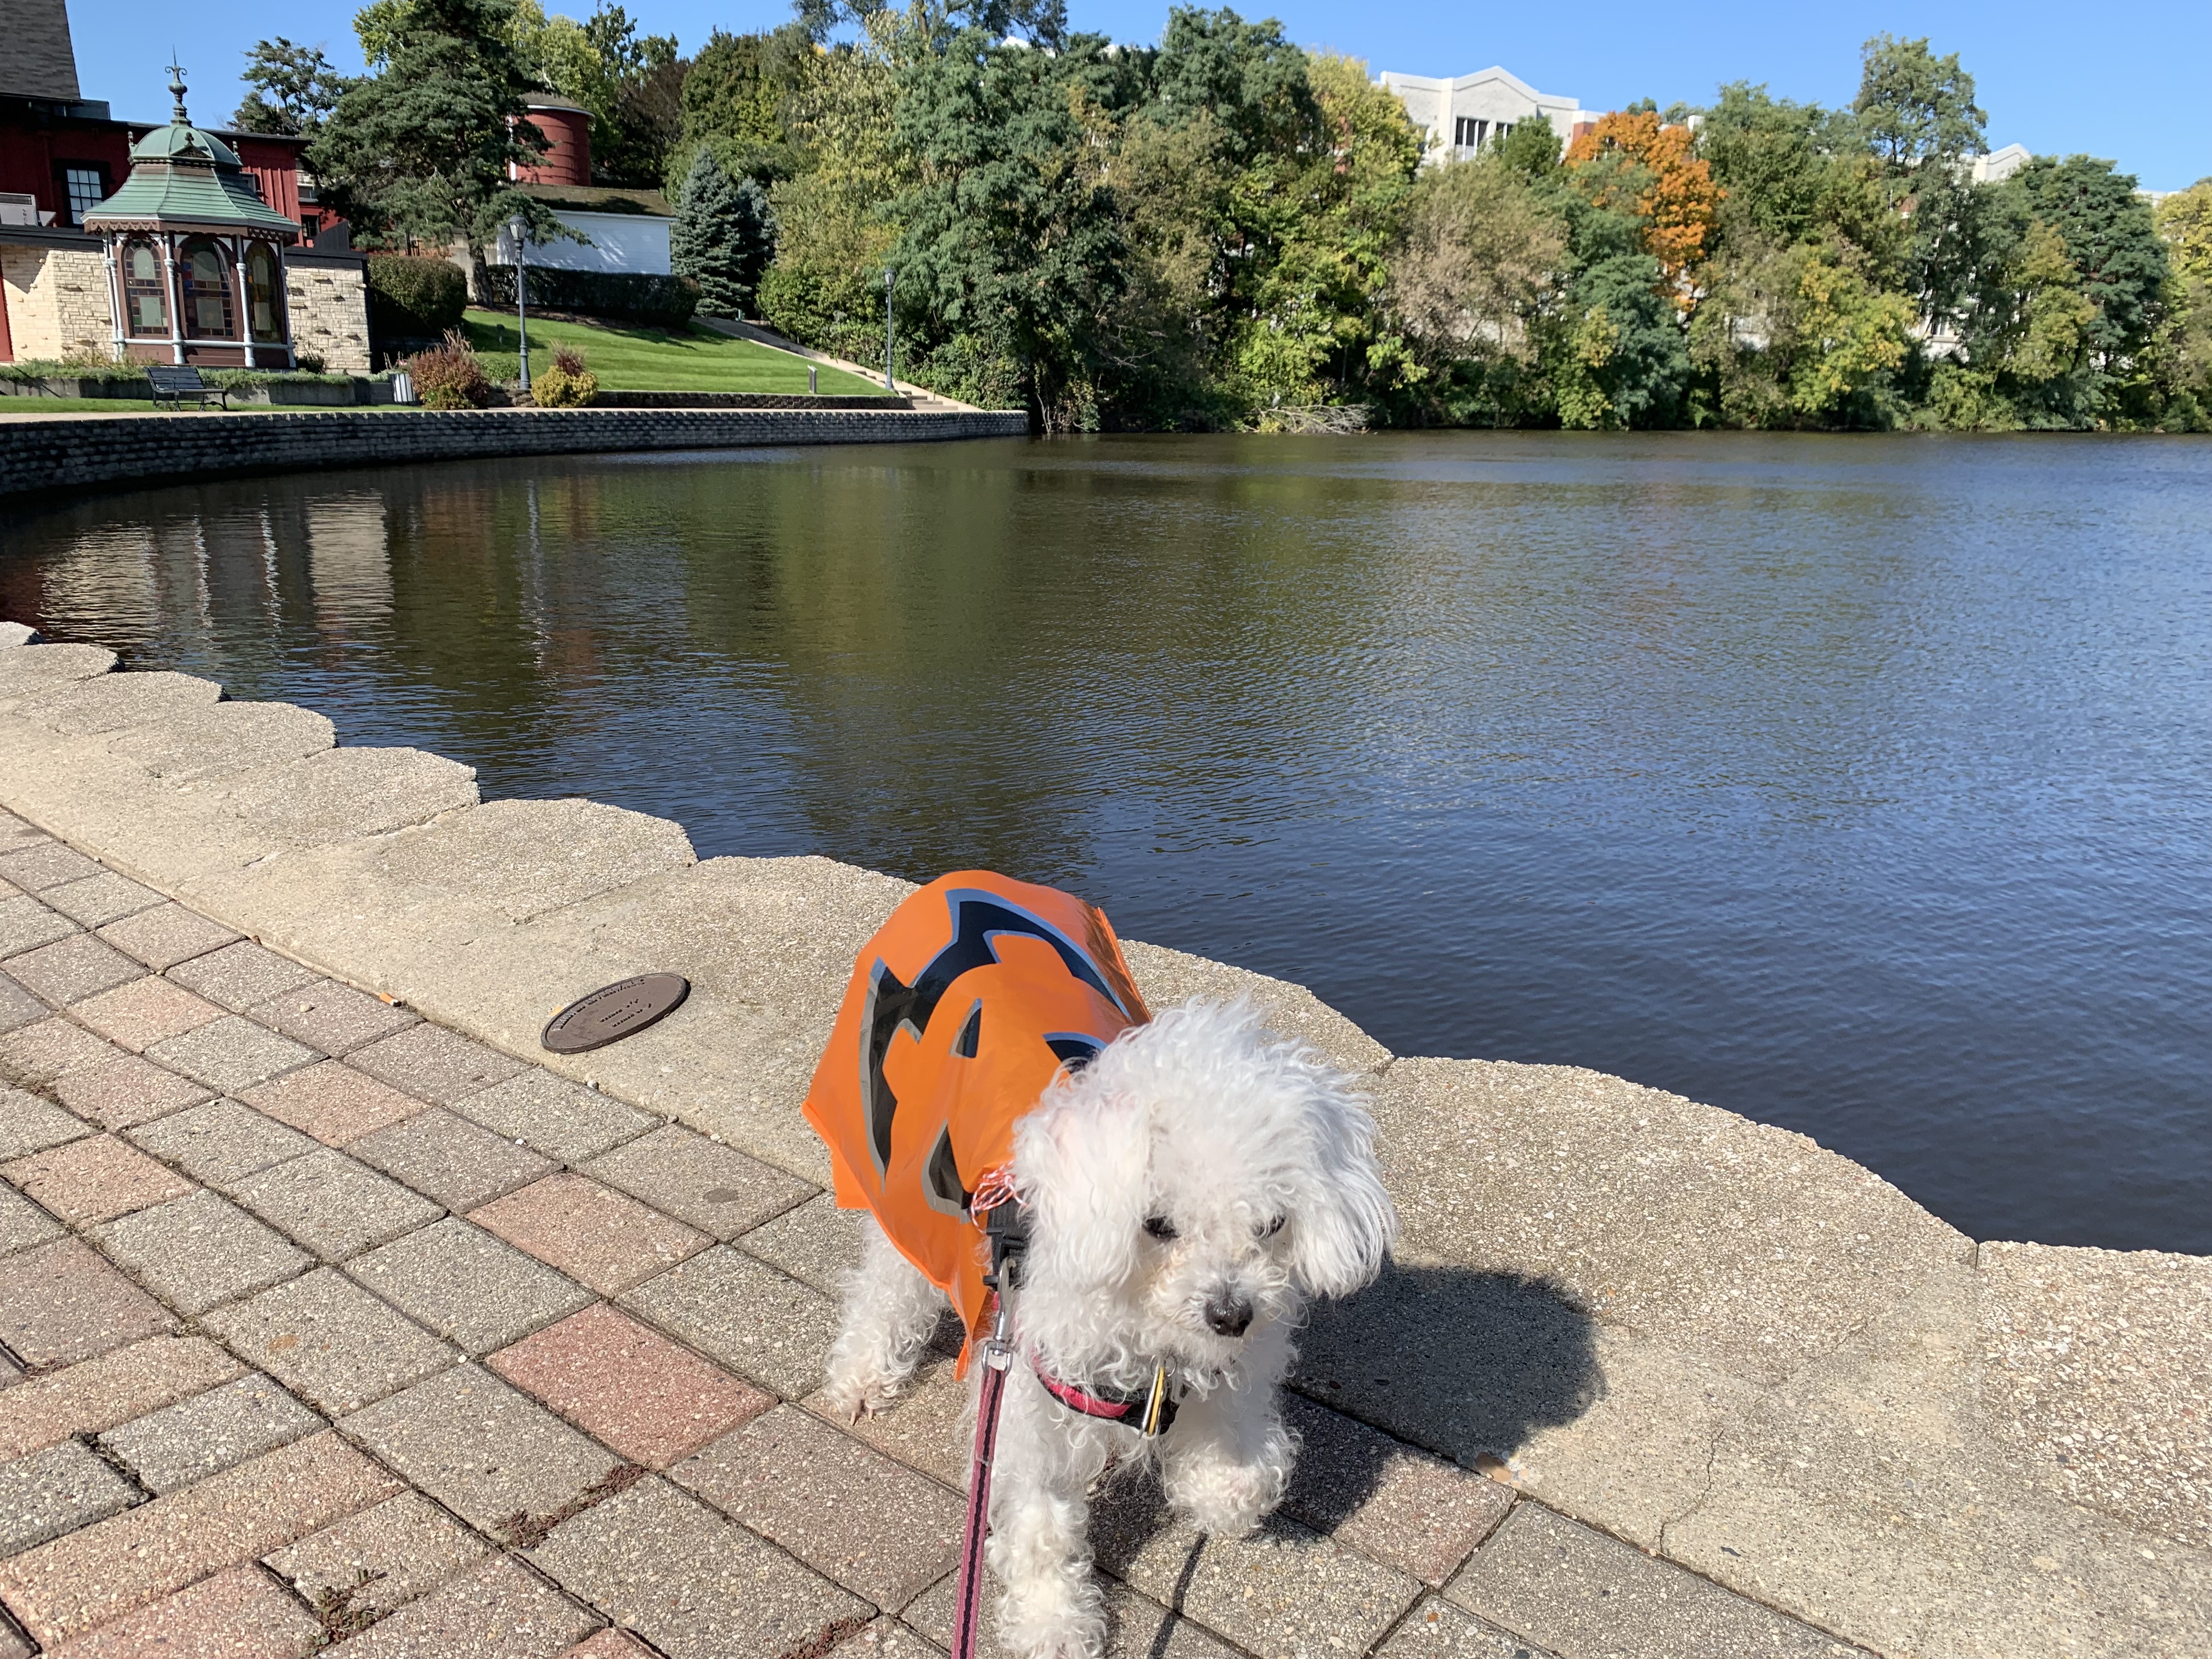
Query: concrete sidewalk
x,y
1734,1395
324,1323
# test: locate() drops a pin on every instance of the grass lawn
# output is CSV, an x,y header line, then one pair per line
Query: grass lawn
x,y
631,357
72,405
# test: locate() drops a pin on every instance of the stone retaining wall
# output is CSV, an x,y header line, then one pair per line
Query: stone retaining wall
x,y
746,400
1708,1337
62,453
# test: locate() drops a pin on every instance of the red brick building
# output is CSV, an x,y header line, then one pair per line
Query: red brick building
x,y
61,154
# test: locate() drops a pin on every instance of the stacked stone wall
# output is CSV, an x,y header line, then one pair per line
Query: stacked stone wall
x,y
58,302
65,454
329,314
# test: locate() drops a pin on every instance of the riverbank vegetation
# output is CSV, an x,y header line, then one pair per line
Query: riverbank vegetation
x,y
1227,230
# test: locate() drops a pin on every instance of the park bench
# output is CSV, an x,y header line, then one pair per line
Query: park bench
x,y
173,383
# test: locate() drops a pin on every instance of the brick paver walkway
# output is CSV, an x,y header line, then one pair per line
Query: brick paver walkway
x,y
321,1324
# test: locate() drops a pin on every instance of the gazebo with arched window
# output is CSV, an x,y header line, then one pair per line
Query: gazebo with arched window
x,y
195,256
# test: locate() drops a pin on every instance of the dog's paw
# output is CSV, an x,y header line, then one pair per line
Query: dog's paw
x,y
1226,1500
853,1397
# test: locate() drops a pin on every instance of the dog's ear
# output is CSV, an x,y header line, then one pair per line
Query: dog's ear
x,y
1345,1222
1080,1162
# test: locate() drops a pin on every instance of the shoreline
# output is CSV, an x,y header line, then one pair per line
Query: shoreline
x,y
40,455
1710,1338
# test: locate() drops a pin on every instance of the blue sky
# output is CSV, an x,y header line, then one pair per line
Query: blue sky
x,y
2128,84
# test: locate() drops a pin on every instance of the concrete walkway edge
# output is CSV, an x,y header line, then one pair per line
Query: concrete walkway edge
x,y
1710,1339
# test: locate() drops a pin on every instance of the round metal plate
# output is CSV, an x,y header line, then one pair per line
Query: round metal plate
x,y
615,1012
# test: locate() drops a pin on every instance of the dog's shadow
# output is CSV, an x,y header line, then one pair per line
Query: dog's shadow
x,y
1462,1364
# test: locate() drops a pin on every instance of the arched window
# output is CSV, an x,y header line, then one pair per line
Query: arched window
x,y
264,293
145,292
208,312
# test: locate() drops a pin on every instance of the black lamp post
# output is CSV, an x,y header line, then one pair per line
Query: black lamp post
x,y
520,230
888,277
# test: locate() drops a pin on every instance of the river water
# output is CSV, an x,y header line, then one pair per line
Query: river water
x,y
1860,784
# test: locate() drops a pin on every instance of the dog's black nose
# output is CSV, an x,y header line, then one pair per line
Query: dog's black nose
x,y
1227,1316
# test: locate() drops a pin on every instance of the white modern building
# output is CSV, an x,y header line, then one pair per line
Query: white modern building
x,y
628,230
1460,115
2000,165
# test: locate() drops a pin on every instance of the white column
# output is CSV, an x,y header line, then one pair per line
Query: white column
x,y
245,298
175,279
115,312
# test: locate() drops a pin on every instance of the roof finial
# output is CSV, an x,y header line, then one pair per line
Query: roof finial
x,y
177,116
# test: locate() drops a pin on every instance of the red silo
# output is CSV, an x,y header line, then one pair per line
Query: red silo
x,y
567,130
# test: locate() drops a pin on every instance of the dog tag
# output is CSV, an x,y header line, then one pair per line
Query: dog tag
x,y
614,1012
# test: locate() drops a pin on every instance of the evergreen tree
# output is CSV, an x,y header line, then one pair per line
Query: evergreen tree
x,y
723,237
421,151
294,89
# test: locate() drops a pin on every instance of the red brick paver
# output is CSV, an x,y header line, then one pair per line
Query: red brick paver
x,y
331,1102
592,1233
650,1399
145,1012
61,1302
165,935
238,1614
128,1090
100,1393
95,1179
63,1588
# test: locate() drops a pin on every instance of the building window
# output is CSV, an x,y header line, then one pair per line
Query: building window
x,y
145,294
1468,133
209,314
264,293
83,188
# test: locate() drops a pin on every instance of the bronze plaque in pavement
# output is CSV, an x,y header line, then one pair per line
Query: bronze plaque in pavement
x,y
615,1012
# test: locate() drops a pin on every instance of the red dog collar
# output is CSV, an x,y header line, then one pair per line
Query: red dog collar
x,y
1149,1411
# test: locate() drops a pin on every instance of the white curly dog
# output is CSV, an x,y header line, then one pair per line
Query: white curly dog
x,y
1186,1194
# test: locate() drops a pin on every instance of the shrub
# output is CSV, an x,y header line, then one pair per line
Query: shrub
x,y
568,384
448,376
415,296
626,296
310,362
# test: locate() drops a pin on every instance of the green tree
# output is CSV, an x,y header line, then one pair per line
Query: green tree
x,y
723,237
738,101
2114,246
1916,114
2183,220
835,230
1915,107
294,89
2180,355
1012,249
1617,355
1481,261
421,152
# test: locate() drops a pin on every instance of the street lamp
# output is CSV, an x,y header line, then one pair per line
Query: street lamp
x,y
888,276
518,230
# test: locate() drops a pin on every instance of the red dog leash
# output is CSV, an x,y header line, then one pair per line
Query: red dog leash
x,y
967,1603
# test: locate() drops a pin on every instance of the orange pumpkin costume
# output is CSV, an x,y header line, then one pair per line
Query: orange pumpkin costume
x,y
962,1011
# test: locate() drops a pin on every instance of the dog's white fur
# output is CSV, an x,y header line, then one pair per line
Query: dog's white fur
x,y
1203,1121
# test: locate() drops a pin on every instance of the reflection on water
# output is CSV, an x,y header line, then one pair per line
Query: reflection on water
x,y
1859,785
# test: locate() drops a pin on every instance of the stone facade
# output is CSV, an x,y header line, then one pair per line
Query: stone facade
x,y
61,453
58,302
39,62
329,302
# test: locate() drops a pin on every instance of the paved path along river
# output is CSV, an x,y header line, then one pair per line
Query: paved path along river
x,y
325,1320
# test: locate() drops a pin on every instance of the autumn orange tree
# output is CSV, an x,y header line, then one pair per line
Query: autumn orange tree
x,y
1631,163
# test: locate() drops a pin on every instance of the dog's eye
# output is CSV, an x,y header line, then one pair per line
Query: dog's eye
x,y
1268,1230
1160,1228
